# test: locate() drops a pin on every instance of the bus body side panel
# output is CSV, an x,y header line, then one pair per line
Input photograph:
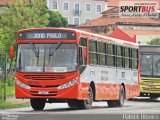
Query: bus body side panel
x,y
108,80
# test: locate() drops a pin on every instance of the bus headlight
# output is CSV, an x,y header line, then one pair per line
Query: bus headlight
x,y
67,85
22,85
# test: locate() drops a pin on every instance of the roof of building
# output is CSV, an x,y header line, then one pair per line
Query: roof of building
x,y
116,2
133,32
104,21
5,2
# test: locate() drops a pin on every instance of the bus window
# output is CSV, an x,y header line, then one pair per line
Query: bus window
x,y
134,59
156,65
83,42
93,52
101,53
126,57
119,56
111,55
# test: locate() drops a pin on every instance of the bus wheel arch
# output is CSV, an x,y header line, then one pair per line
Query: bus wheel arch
x,y
122,95
92,85
124,89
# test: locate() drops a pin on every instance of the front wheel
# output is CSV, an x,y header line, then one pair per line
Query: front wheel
x,y
87,104
73,104
37,104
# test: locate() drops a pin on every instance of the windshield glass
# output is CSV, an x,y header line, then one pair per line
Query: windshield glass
x,y
146,64
150,65
49,58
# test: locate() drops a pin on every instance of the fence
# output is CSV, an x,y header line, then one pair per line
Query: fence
x,y
3,75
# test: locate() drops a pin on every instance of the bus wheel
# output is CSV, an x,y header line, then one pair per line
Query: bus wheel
x,y
120,102
72,104
153,97
111,103
37,104
87,104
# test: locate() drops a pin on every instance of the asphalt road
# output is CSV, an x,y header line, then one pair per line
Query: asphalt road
x,y
137,109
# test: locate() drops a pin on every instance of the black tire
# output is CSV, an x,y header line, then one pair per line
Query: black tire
x,y
120,102
111,103
73,104
153,97
37,104
87,104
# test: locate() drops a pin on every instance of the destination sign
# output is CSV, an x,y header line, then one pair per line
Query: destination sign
x,y
47,35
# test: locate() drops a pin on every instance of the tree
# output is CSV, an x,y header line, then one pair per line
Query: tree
x,y
56,19
21,14
154,41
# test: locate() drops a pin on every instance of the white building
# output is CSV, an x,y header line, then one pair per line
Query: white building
x,y
78,11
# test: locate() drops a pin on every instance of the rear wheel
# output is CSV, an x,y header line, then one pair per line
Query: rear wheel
x,y
120,101
111,103
37,104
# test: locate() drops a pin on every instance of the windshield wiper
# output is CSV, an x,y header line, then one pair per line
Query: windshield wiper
x,y
52,51
34,49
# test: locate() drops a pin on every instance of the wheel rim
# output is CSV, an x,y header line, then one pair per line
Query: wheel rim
x,y
89,100
122,97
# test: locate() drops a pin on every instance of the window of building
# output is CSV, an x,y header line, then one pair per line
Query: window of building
x,y
87,20
99,8
66,6
88,7
76,21
55,5
77,10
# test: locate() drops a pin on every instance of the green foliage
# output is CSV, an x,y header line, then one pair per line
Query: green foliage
x,y
154,41
8,105
56,19
21,15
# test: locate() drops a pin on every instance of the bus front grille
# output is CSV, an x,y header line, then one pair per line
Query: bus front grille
x,y
44,77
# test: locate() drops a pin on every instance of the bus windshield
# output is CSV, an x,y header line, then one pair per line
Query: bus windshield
x,y
150,65
47,57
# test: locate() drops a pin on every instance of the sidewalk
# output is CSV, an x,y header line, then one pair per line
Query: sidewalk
x,y
14,100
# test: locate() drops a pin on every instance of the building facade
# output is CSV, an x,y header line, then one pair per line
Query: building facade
x,y
78,11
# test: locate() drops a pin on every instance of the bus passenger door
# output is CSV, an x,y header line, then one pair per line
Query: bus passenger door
x,y
84,79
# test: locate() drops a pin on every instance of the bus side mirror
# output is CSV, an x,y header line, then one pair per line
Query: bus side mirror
x,y
11,52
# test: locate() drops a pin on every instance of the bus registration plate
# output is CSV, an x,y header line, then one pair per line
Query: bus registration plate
x,y
43,92
151,87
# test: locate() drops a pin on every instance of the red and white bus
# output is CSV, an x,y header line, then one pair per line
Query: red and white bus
x,y
73,66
